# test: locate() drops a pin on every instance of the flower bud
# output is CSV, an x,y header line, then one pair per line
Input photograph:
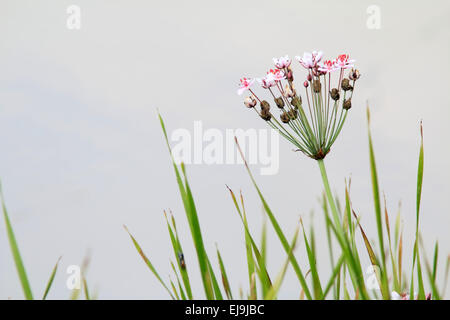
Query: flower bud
x,y
334,94
309,77
279,102
284,117
265,114
296,102
306,84
289,74
265,105
317,86
250,102
293,114
354,74
347,104
346,85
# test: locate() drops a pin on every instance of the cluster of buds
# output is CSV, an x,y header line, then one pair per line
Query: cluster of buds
x,y
312,126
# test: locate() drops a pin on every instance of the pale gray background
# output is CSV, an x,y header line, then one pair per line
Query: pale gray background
x,y
82,152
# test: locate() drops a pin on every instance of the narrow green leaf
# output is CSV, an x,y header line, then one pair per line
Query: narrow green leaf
x,y
225,282
279,280
376,199
86,289
50,280
148,263
277,228
421,295
318,294
179,256
334,276
16,253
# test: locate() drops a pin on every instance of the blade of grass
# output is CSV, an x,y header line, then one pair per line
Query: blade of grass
x,y
421,295
50,280
318,293
372,255
225,282
207,274
148,263
376,197
277,228
179,256
431,278
261,267
86,289
279,280
16,253
391,254
355,271
263,241
180,288
334,275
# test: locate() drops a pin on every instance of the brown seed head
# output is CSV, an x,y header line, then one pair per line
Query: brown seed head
x,y
346,85
279,102
293,114
265,114
354,74
347,104
334,93
265,105
296,102
285,117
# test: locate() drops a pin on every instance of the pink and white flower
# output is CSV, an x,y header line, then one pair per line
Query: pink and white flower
x,y
328,66
310,60
245,84
343,61
282,62
277,74
267,82
271,78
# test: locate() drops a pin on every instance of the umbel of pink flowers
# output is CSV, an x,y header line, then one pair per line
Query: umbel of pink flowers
x,y
314,125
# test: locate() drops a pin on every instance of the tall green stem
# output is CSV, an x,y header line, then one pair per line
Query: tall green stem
x,y
330,198
353,266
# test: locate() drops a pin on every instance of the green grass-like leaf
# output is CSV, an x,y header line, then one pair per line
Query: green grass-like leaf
x,y
50,280
376,199
148,263
16,253
277,228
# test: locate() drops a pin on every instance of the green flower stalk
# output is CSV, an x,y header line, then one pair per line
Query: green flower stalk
x,y
312,123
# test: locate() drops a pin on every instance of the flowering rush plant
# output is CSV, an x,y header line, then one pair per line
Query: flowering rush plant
x,y
313,117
